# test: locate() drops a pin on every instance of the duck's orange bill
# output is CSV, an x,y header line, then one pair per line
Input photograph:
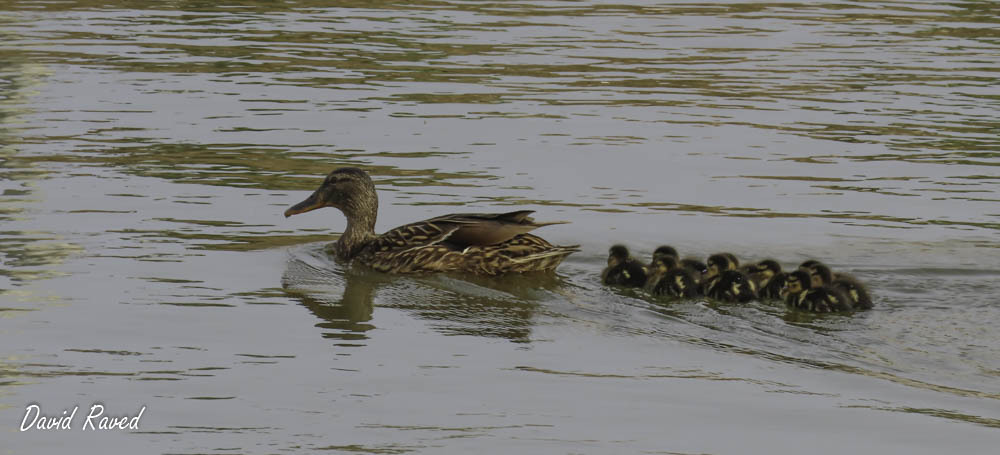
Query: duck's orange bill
x,y
311,203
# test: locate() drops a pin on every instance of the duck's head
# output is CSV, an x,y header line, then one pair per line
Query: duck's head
x,y
720,262
618,254
820,275
796,282
348,188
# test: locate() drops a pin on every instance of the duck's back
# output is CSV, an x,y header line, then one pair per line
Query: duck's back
x,y
522,253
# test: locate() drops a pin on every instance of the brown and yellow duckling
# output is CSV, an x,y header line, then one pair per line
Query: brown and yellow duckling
x,y
855,290
801,294
732,286
663,250
485,244
697,268
822,275
768,277
623,269
667,277
715,265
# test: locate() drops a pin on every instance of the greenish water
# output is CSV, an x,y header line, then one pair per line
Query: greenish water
x,y
147,152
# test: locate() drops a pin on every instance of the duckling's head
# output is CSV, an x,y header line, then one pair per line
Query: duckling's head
x,y
348,188
695,266
618,254
767,268
732,258
820,275
664,264
720,262
808,264
665,250
737,285
796,282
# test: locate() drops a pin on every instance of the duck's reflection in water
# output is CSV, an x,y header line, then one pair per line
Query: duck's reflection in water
x,y
344,297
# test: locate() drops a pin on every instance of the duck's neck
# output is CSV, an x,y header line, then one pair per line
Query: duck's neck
x,y
360,229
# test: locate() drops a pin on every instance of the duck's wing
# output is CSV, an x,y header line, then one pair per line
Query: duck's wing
x,y
410,236
459,231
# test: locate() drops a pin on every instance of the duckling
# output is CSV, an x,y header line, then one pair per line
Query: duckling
x,y
767,276
821,275
716,264
732,258
855,291
669,278
733,286
762,272
697,268
662,250
772,290
665,250
658,268
799,293
622,269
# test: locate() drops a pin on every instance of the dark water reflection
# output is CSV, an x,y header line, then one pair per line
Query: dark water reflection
x,y
455,305
147,152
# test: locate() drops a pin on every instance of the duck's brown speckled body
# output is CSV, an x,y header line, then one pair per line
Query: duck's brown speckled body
x,y
484,244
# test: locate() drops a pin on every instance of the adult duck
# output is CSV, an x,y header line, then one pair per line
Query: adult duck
x,y
479,243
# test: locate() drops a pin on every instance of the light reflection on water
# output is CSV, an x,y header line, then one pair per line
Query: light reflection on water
x,y
147,155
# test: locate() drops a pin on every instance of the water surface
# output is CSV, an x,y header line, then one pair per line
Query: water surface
x,y
148,152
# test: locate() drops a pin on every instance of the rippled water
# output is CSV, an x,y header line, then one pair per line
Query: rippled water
x,y
147,155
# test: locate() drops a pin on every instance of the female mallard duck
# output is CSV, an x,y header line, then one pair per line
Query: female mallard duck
x,y
486,244
821,275
623,269
667,277
732,286
799,293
